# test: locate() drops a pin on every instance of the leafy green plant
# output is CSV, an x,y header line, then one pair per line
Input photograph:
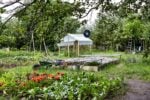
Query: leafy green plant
x,y
80,86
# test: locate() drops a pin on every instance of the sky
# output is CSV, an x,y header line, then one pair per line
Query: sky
x,y
91,17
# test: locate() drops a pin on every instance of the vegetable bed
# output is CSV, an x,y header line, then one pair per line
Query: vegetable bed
x,y
80,85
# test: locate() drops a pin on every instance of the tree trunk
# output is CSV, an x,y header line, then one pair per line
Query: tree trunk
x,y
45,47
134,45
30,45
33,43
40,45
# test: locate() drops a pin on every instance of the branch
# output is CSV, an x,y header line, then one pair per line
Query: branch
x,y
26,5
7,20
10,3
3,24
15,9
95,7
1,2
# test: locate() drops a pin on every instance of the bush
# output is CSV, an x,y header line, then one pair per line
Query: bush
x,y
7,41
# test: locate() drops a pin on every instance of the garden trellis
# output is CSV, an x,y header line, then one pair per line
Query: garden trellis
x,y
75,40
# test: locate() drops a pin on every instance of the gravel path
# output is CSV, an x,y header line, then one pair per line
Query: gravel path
x,y
137,90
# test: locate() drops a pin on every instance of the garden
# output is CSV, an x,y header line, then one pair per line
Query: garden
x,y
60,85
74,50
24,82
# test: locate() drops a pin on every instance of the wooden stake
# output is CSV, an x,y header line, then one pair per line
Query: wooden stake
x,y
45,47
59,50
77,48
68,48
68,51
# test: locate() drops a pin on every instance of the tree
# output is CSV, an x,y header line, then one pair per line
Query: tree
x,y
46,22
146,36
14,32
103,34
6,41
133,28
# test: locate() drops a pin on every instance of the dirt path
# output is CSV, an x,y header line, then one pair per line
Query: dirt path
x,y
137,90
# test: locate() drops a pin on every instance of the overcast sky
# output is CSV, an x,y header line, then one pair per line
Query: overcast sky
x,y
91,17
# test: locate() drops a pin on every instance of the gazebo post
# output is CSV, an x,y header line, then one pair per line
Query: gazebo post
x,y
90,48
68,50
73,48
78,48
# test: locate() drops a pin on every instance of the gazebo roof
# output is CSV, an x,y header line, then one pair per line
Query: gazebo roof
x,y
71,38
79,37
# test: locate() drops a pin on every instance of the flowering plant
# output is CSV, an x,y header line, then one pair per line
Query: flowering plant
x,y
44,76
81,86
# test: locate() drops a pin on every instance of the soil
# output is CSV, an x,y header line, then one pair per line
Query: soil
x,y
137,90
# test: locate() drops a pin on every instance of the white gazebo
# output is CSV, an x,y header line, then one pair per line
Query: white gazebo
x,y
75,40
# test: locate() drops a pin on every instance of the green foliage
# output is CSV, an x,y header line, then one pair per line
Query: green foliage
x,y
6,41
2,71
75,86
13,76
99,81
103,34
13,34
12,59
133,28
2,10
47,21
146,33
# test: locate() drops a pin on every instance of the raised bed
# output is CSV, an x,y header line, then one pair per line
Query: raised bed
x,y
94,63
90,63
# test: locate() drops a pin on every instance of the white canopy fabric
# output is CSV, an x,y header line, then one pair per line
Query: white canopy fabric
x,y
71,38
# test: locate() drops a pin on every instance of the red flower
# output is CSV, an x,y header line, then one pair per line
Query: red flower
x,y
60,73
44,76
57,77
50,76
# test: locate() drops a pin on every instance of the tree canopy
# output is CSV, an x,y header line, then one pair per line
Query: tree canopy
x,y
44,22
